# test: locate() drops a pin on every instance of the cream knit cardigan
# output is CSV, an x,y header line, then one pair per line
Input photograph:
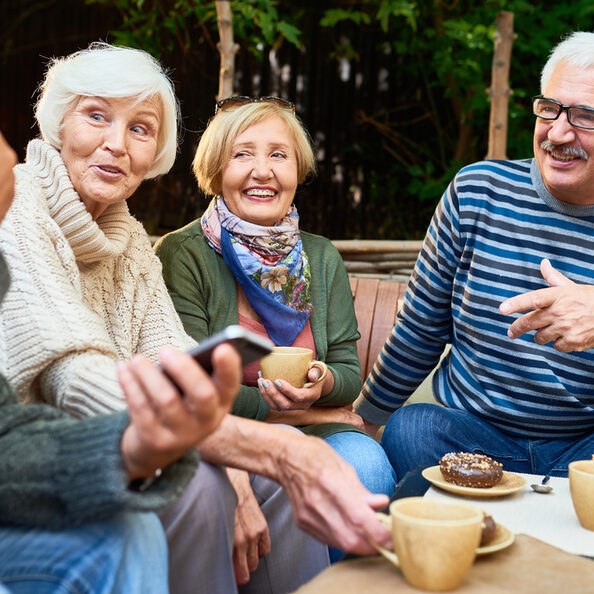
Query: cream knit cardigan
x,y
84,294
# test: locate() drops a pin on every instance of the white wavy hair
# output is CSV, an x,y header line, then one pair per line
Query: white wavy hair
x,y
104,70
576,49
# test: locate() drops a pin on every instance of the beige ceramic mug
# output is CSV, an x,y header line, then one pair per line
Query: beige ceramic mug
x,y
581,486
291,364
435,542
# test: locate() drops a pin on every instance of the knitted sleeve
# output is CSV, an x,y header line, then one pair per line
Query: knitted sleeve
x,y
424,323
161,324
334,323
58,471
184,276
56,349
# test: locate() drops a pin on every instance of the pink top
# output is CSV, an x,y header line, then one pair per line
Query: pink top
x,y
305,339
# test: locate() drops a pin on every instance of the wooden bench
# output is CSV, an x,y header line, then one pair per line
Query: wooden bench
x,y
384,259
376,304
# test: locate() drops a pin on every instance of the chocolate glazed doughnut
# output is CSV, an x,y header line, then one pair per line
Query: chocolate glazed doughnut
x,y
470,470
489,529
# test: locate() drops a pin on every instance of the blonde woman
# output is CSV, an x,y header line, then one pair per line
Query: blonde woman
x,y
246,261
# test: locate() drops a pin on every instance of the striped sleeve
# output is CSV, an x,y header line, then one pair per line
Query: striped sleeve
x,y
424,323
490,232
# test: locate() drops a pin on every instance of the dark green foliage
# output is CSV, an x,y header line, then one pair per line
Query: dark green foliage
x,y
157,26
442,54
392,91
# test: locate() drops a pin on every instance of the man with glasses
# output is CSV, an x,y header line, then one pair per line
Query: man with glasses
x,y
506,276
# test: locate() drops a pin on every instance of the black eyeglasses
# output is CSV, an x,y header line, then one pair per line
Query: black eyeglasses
x,y
233,102
577,115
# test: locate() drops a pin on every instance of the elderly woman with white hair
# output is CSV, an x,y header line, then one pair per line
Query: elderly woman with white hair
x,y
87,291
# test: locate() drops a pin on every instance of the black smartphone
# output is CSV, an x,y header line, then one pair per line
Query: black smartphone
x,y
250,346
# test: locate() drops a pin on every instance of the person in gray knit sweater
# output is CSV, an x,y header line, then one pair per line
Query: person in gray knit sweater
x,y
75,493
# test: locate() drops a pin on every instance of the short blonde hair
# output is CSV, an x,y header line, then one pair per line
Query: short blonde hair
x,y
214,149
104,70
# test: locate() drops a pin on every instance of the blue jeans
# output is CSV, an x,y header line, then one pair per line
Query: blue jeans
x,y
370,462
368,459
420,434
124,554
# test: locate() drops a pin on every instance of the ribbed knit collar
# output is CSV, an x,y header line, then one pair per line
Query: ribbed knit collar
x,y
90,240
572,210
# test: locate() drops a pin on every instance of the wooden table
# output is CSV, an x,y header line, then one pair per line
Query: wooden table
x,y
550,518
528,566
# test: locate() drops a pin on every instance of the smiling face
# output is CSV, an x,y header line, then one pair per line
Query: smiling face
x,y
568,177
260,178
108,147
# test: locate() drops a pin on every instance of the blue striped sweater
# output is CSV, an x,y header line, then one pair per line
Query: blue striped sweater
x,y
493,226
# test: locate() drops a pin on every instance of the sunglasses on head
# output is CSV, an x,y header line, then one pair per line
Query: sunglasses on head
x,y
233,102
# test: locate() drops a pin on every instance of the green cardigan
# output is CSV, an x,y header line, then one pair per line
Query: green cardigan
x,y
204,293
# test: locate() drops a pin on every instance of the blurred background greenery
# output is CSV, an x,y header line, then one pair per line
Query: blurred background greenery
x,y
392,91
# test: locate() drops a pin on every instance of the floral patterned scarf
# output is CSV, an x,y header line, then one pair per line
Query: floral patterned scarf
x,y
269,264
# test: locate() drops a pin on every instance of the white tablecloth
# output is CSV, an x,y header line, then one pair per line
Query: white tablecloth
x,y
550,518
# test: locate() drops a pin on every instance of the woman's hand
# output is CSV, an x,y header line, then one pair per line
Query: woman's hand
x,y
317,415
251,540
370,428
281,395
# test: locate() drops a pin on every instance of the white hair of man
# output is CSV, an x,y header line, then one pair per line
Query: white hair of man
x,y
104,70
577,49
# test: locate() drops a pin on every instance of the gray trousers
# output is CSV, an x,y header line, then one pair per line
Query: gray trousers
x,y
200,526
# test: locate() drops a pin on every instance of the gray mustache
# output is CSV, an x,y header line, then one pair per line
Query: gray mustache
x,y
568,151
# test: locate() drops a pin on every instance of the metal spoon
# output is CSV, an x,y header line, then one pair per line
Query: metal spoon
x,y
543,487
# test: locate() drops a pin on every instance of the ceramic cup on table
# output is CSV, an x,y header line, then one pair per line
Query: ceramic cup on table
x,y
435,542
291,364
581,486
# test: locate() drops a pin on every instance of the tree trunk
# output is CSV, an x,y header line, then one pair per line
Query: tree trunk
x,y
499,90
227,48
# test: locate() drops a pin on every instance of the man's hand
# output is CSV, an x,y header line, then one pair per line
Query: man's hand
x,y
562,313
7,162
164,425
252,539
328,499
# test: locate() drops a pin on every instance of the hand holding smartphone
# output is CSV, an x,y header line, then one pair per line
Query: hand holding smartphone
x,y
250,346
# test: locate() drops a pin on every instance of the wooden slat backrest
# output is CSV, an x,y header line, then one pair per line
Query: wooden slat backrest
x,y
353,281
386,308
365,296
376,306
